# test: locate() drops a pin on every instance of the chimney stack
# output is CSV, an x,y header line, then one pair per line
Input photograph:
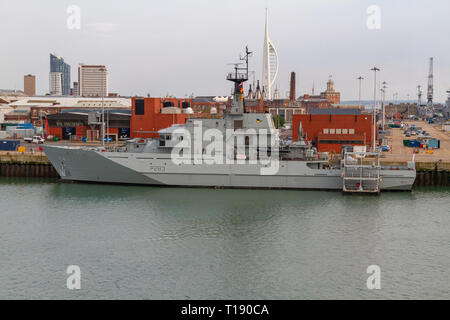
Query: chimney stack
x,y
292,91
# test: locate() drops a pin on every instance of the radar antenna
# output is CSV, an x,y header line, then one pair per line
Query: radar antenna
x,y
239,76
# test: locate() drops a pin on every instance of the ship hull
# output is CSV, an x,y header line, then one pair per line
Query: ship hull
x,y
78,164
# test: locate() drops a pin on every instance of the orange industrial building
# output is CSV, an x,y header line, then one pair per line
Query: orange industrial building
x,y
149,115
329,132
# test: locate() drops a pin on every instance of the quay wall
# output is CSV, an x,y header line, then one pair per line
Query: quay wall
x,y
30,165
432,178
28,170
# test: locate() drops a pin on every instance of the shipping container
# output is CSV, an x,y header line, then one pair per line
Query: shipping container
x,y
434,144
20,133
24,126
9,145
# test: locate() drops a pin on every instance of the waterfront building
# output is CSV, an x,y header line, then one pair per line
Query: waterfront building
x,y
92,80
330,129
3,110
57,64
329,98
9,96
29,85
39,107
309,102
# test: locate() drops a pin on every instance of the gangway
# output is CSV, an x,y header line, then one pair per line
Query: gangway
x,y
361,172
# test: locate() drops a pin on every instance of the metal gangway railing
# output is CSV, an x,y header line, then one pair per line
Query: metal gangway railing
x,y
361,172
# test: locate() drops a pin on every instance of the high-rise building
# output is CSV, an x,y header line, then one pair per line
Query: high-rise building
x,y
92,80
57,64
75,89
55,84
270,63
29,85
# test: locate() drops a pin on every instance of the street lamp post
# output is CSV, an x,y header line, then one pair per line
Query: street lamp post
x,y
407,101
382,107
395,96
384,103
360,79
103,109
374,139
103,121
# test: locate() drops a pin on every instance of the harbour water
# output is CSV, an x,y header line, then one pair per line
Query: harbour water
x,y
134,242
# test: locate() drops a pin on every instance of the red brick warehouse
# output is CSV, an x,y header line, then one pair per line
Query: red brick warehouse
x,y
329,132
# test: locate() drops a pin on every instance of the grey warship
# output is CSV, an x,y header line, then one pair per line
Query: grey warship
x,y
240,150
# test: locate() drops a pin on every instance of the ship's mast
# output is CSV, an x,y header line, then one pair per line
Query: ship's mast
x,y
239,76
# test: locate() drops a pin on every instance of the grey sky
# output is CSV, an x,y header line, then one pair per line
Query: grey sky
x,y
183,46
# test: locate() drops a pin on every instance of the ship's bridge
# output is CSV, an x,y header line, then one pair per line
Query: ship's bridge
x,y
237,77
169,137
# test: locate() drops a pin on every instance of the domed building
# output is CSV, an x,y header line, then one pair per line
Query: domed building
x,y
330,94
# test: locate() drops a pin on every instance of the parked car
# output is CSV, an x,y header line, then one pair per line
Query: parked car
x,y
385,148
35,139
